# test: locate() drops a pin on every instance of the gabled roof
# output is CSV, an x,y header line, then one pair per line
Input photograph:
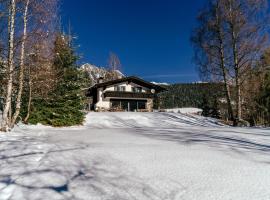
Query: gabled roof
x,y
132,79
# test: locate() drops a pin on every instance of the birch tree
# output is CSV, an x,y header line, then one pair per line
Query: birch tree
x,y
228,42
246,26
10,66
21,66
209,40
35,23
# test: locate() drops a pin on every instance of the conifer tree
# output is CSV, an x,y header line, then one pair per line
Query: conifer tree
x,y
215,112
206,106
263,100
64,104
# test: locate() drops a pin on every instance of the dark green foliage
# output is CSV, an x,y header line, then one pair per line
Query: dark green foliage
x,y
189,95
205,106
210,107
263,101
215,110
199,95
63,105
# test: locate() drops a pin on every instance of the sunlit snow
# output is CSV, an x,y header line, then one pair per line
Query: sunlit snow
x,y
157,156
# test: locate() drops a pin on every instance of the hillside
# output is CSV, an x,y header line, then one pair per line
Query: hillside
x,y
189,94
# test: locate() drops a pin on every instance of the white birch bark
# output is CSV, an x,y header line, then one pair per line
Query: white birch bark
x,y
6,121
221,39
236,65
29,97
22,58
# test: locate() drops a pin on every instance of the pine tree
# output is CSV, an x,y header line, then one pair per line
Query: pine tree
x,y
215,112
64,104
206,106
263,100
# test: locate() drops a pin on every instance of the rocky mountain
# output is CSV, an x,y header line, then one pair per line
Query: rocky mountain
x,y
94,72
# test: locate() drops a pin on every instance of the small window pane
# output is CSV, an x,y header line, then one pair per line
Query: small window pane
x,y
141,105
123,88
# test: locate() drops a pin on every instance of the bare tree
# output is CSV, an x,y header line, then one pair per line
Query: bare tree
x,y
22,62
114,62
35,24
209,42
114,67
246,26
10,65
40,75
229,41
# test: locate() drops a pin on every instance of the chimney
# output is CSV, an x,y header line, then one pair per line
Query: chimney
x,y
100,80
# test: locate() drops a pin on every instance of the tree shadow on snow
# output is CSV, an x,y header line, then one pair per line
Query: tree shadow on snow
x,y
226,140
33,169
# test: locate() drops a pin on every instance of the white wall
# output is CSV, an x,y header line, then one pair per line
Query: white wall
x,y
128,87
103,103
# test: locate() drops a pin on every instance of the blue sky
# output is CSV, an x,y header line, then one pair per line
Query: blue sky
x,y
151,37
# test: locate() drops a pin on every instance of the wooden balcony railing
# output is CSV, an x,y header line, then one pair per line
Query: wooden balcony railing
x,y
132,95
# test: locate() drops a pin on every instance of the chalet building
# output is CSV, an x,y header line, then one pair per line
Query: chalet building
x,y
130,94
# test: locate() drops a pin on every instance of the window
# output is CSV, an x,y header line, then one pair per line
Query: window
x,y
137,89
141,104
120,88
116,104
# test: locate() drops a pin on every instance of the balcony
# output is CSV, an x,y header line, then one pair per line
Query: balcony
x,y
128,95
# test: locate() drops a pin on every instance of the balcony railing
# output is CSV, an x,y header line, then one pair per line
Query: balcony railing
x,y
117,94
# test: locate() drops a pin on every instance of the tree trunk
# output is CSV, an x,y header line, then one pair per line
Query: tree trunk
x,y
237,79
21,76
29,98
236,66
227,93
222,63
226,86
5,121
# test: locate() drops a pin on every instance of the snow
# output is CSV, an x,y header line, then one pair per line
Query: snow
x,y
162,83
185,110
159,156
120,74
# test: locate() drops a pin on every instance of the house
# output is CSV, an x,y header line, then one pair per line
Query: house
x,y
125,94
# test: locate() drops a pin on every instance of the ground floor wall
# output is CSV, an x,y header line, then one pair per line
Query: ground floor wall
x,y
126,105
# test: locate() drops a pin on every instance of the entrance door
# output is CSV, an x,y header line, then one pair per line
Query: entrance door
x,y
133,106
125,105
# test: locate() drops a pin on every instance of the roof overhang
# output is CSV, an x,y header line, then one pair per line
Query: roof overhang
x,y
130,79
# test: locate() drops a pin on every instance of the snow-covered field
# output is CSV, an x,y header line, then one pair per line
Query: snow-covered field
x,y
156,156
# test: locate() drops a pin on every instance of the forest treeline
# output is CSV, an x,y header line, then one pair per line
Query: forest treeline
x,y
189,94
211,98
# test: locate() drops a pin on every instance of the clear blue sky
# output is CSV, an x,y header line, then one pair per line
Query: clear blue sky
x,y
151,37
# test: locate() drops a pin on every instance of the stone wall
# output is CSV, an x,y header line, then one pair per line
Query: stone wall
x,y
149,105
